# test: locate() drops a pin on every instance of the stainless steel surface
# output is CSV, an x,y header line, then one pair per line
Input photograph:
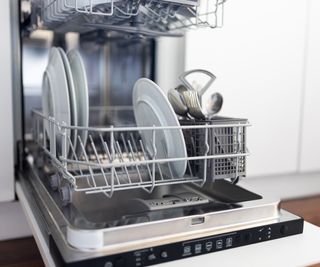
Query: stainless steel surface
x,y
17,94
152,18
67,224
177,102
108,62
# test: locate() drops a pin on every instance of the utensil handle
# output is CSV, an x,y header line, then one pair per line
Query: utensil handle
x,y
183,79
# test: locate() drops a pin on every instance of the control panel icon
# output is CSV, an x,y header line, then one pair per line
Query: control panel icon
x,y
219,244
229,241
187,250
209,246
151,257
198,248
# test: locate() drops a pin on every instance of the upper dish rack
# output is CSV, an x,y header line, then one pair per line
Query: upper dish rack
x,y
117,158
145,17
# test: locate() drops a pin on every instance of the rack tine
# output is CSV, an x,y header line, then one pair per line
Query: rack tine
x,y
44,132
169,167
158,165
121,159
134,142
153,178
106,149
147,165
87,160
98,159
189,168
126,149
124,143
160,171
132,155
207,147
74,155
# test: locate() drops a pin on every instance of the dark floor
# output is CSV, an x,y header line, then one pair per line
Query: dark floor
x,y
20,253
308,208
24,252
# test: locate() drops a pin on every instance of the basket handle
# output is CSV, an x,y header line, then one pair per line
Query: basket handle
x,y
183,79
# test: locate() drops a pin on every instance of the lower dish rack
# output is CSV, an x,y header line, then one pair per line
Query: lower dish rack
x,y
109,159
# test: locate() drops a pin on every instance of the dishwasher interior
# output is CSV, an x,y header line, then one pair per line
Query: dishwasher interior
x,y
119,190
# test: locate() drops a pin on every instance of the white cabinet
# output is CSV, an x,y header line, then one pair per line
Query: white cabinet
x,y
258,59
6,129
310,131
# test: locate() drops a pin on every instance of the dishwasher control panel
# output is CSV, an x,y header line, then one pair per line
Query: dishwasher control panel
x,y
196,247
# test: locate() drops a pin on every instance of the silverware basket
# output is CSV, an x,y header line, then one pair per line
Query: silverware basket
x,y
223,140
113,158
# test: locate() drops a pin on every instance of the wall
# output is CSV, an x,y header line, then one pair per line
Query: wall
x,y
258,57
310,126
13,223
12,220
6,132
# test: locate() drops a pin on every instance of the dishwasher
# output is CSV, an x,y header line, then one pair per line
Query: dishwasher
x,y
107,174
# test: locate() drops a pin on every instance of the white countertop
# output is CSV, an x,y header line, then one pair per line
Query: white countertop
x,y
298,250
287,186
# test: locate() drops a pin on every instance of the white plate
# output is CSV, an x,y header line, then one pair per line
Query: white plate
x,y
82,94
59,89
47,99
152,108
72,96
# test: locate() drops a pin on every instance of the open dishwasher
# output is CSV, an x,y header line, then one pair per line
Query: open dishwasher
x,y
115,183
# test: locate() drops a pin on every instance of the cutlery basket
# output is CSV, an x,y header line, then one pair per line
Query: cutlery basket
x,y
222,141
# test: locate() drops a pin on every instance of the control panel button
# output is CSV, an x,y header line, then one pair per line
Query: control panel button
x,y
198,248
120,262
108,264
164,254
284,229
151,257
187,250
219,244
208,245
229,242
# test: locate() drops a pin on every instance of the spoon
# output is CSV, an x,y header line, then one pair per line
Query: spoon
x,y
177,102
211,104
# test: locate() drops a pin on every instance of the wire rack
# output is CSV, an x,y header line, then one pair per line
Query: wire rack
x,y
146,17
109,159
222,140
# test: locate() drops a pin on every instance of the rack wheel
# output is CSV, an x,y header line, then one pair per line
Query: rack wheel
x,y
39,161
65,194
55,181
236,180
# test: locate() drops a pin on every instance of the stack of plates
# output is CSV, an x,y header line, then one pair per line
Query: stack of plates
x,y
65,98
